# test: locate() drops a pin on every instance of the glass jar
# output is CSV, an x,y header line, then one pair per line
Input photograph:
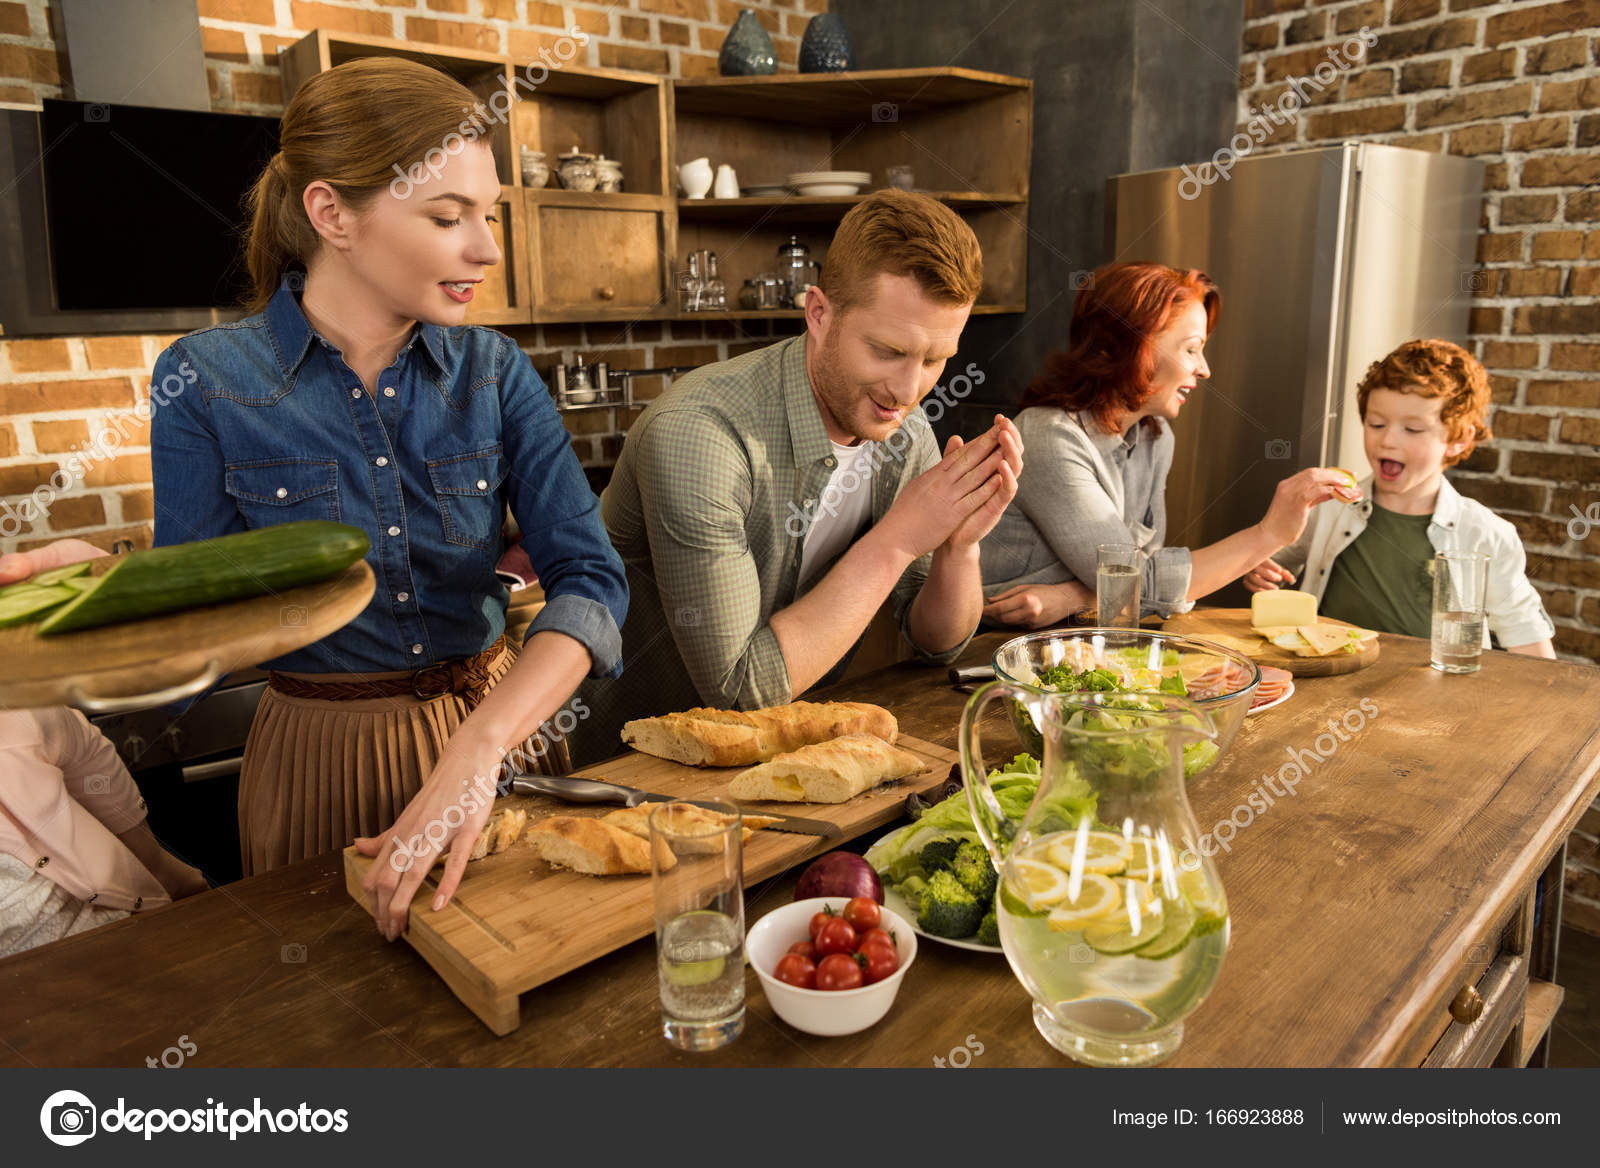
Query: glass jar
x,y
715,295
794,268
691,285
578,171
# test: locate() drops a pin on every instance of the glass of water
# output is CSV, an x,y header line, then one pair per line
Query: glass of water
x,y
1460,580
1119,567
698,884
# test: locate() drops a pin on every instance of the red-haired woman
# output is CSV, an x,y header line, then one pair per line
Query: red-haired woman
x,y
1098,457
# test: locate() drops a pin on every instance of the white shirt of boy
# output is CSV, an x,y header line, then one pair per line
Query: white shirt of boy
x,y
1514,613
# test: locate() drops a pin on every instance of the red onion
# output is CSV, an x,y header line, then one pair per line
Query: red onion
x,y
839,874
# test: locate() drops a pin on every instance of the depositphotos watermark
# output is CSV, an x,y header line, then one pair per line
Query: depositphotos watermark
x,y
1583,522
852,478
1259,128
68,1118
496,111
101,448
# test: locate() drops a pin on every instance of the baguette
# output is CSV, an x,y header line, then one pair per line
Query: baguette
x,y
707,737
593,846
503,829
636,821
828,772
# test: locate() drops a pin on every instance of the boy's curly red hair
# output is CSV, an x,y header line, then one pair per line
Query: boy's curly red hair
x,y
1437,369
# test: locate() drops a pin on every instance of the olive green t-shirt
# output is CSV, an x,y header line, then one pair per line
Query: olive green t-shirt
x,y
1381,581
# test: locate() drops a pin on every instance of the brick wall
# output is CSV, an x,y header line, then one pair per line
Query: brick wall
x,y
60,394
1517,85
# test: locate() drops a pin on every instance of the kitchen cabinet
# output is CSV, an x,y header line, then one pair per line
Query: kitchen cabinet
x,y
579,256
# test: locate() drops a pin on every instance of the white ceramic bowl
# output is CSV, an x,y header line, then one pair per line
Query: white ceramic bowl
x,y
827,189
823,1012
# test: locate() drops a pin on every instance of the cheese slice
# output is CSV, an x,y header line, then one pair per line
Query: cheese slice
x,y
1327,639
1292,641
1283,606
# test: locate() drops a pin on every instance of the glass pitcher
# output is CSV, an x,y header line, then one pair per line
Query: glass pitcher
x,y
1109,913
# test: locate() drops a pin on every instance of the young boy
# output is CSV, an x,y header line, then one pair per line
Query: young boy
x,y
1422,408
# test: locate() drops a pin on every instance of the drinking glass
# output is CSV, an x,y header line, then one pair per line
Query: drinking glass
x,y
697,882
1119,568
1460,580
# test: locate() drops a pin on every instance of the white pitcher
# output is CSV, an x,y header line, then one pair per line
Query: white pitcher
x,y
727,186
695,177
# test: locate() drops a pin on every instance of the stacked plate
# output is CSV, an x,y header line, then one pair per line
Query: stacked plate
x,y
829,182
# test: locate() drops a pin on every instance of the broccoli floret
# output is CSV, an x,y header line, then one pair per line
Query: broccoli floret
x,y
971,866
948,908
911,890
989,929
938,855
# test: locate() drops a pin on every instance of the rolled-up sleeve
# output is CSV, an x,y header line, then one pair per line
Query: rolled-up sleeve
x,y
585,585
695,493
1061,494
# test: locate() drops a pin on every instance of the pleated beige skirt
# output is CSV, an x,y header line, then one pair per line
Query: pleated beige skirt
x,y
317,774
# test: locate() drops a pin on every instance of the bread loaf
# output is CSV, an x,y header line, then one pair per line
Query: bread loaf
x,y
706,737
503,829
828,772
593,846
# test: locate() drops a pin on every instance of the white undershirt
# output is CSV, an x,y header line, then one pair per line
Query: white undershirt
x,y
841,511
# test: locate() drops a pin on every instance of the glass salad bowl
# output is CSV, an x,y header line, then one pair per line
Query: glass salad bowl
x,y
1220,681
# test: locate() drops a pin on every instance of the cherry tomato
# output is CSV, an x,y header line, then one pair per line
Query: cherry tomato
x,y
836,937
805,948
796,970
820,919
839,971
875,937
862,913
881,960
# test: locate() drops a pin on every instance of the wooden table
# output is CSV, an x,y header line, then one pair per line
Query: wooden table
x,y
1399,873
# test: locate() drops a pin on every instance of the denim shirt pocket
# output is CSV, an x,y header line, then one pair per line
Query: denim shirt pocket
x,y
468,490
271,491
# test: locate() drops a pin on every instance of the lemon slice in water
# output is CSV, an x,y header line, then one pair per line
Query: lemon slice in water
x,y
1103,852
1097,898
1038,884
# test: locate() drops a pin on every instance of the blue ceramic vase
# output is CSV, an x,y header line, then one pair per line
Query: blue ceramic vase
x,y
747,49
826,46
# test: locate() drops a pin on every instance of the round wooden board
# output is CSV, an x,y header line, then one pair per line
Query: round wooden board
x,y
144,657
1235,622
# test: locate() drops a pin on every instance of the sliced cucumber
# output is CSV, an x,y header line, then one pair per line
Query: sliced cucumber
x,y
212,571
60,575
21,607
82,583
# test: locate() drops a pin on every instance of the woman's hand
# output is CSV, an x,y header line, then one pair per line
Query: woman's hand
x,y
446,815
20,565
179,879
1292,501
1035,606
1267,576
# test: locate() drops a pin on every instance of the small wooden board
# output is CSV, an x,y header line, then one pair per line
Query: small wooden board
x,y
1235,622
144,657
516,922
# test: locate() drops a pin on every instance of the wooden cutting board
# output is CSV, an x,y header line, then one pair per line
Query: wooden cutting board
x,y
516,922
133,662
1235,622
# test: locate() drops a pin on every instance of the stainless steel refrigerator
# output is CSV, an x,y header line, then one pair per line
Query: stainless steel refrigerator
x,y
1327,259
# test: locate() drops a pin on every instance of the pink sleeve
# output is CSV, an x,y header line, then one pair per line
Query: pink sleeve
x,y
93,773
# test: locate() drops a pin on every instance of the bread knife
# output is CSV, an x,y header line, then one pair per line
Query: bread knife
x,y
575,789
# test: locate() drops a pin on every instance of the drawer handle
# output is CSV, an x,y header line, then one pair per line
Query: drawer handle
x,y
1467,1006
608,293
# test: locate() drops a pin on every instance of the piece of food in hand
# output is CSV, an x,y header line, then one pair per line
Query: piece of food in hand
x,y
707,737
686,817
503,829
827,772
594,846
1282,606
1349,481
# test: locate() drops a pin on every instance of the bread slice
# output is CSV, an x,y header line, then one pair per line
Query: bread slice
x,y
503,829
827,772
593,846
707,737
636,821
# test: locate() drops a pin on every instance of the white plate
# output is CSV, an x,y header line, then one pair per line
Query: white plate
x,y
859,178
828,188
896,903
1277,701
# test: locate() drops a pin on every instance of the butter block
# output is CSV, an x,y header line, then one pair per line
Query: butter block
x,y
1282,606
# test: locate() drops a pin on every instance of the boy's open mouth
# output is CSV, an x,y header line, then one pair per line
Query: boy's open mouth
x,y
1389,469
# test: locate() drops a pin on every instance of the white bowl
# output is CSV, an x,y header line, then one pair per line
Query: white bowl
x,y
858,178
828,188
823,1012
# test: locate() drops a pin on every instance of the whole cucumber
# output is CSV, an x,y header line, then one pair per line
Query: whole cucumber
x,y
212,571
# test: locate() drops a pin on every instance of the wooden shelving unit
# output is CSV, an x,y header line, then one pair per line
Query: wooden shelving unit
x,y
581,256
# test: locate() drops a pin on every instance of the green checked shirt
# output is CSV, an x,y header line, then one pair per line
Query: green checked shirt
x,y
709,506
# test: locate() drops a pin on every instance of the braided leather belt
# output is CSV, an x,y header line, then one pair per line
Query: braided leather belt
x,y
466,676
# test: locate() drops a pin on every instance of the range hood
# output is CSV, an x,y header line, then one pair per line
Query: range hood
x,y
136,52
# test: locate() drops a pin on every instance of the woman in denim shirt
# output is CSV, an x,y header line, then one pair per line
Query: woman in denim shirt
x,y
353,393
1099,452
